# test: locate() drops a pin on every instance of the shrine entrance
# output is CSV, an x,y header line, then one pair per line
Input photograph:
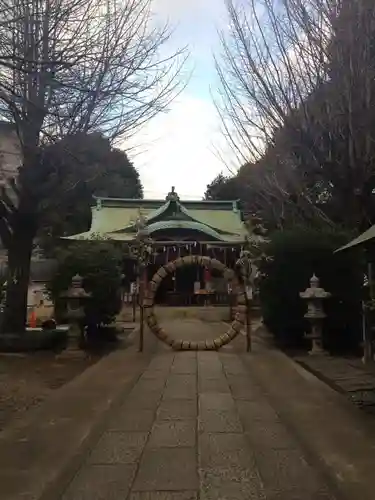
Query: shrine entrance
x,y
209,264
177,246
192,285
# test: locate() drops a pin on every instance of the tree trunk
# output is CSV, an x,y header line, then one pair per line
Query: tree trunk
x,y
19,257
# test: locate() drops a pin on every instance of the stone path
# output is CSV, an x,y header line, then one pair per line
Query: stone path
x,y
197,426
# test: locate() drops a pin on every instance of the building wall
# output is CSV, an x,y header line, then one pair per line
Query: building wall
x,y
10,156
10,160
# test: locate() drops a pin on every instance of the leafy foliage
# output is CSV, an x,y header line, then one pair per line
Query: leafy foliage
x,y
99,264
296,255
224,188
76,168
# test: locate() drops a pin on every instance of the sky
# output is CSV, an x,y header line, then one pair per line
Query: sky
x,y
178,148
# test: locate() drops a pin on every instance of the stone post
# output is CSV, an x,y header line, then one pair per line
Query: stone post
x,y
142,251
314,296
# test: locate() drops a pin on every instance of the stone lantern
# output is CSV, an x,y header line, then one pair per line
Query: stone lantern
x,y
314,296
76,297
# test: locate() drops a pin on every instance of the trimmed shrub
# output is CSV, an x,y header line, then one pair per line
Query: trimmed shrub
x,y
99,264
294,256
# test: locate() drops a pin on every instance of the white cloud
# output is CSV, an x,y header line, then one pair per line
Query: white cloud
x,y
176,10
178,149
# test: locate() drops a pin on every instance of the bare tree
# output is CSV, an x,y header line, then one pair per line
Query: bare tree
x,y
297,91
69,66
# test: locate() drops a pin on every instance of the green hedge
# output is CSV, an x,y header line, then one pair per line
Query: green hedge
x,y
99,264
295,255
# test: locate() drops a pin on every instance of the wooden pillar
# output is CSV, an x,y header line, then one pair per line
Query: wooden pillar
x,y
134,305
368,355
142,290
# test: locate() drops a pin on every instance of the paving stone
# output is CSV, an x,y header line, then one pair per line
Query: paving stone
x,y
243,388
181,386
216,385
207,373
208,363
184,366
224,449
186,355
209,401
225,357
235,368
269,435
177,409
149,446
208,366
181,379
245,380
235,473
101,482
255,410
162,363
119,447
164,495
230,483
207,357
173,433
150,385
286,470
298,494
219,421
132,420
229,348
232,491
167,469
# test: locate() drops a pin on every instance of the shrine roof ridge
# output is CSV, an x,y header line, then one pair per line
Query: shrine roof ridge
x,y
155,203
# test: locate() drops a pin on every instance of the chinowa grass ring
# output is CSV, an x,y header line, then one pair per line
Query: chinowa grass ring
x,y
203,345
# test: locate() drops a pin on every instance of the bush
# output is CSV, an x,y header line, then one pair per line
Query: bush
x,y
99,264
296,255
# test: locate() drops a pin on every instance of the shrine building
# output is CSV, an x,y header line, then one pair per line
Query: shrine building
x,y
177,228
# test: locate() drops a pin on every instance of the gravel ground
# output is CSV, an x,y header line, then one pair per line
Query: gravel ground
x,y
27,379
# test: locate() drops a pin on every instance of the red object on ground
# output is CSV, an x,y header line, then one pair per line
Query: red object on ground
x,y
32,321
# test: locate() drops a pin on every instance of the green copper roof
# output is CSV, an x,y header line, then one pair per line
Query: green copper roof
x,y
114,218
195,226
172,212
